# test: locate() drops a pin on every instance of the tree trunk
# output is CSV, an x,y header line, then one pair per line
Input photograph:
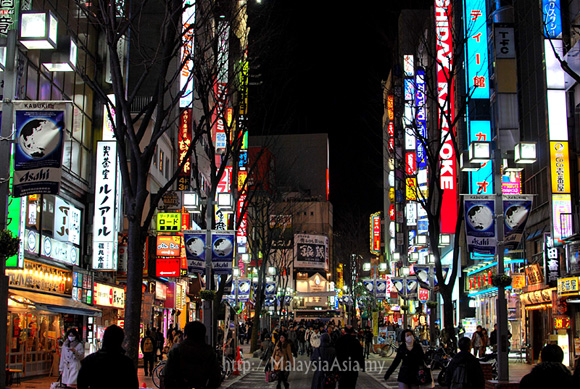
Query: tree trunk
x,y
133,296
448,325
256,326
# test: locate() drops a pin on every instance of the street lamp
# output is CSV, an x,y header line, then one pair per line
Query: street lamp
x,y
192,203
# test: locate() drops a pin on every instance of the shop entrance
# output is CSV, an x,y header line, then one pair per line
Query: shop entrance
x,y
538,331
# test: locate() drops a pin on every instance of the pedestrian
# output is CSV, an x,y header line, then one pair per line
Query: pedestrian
x,y
411,356
148,350
300,338
109,368
315,338
242,334
177,338
550,373
193,363
160,339
71,355
349,354
493,339
293,339
477,341
282,361
484,341
307,335
368,336
323,359
576,375
464,370
437,334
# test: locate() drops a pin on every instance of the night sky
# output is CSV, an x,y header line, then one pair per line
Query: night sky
x,y
321,73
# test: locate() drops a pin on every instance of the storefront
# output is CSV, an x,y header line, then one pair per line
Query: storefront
x,y
538,319
567,317
111,300
40,310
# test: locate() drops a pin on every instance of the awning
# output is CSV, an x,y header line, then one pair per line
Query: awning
x,y
58,304
536,233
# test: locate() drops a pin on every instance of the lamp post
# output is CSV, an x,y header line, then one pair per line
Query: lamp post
x,y
524,153
405,271
192,203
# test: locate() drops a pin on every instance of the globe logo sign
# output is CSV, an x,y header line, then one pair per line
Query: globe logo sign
x,y
223,247
480,217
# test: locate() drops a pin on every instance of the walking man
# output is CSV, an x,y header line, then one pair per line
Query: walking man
x,y
148,350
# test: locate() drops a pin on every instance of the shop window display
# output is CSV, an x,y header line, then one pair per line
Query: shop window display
x,y
33,342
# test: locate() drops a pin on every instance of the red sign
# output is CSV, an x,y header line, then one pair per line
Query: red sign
x,y
411,165
392,212
423,295
561,322
448,166
167,267
376,233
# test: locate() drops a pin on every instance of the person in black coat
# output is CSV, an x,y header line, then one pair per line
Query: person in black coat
x,y
550,373
193,363
349,354
108,368
412,355
323,359
473,371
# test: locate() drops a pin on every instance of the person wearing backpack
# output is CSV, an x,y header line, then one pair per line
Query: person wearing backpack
x,y
464,370
148,350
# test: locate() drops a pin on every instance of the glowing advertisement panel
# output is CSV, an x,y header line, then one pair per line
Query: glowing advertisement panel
x,y
448,174
560,167
562,217
481,181
421,118
516,211
186,78
552,18
376,233
476,45
195,251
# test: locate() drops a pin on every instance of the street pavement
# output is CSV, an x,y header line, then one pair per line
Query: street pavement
x,y
252,376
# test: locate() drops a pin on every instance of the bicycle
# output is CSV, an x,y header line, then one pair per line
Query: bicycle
x,y
158,373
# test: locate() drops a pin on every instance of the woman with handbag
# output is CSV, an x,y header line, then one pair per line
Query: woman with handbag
x,y
413,372
70,358
282,361
323,359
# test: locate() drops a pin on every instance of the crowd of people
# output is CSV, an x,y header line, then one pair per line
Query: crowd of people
x,y
336,352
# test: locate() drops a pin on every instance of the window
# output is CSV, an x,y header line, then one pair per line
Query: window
x,y
161,156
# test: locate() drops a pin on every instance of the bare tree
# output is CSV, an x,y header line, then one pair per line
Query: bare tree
x,y
147,92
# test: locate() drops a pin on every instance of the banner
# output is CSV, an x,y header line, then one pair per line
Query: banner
x,y
195,251
223,244
480,223
311,251
270,289
39,137
516,211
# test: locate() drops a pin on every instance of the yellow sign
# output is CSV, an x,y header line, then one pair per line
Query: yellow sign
x,y
411,188
518,281
169,222
560,167
569,286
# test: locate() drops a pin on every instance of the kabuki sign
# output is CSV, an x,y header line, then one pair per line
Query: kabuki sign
x,y
104,226
448,173
38,146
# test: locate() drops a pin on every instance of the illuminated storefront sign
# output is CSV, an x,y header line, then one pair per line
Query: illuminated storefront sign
x,y
104,222
169,222
109,296
82,287
561,322
552,18
168,246
184,176
40,277
448,179
569,286
560,167
186,77
562,217
376,233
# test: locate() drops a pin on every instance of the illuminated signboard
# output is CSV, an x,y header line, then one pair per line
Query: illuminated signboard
x,y
569,286
560,167
167,267
476,44
169,222
481,181
186,76
561,322
562,217
109,296
104,222
376,233
448,179
408,66
168,246
40,277
410,164
421,118
184,142
479,281
411,186
552,18
391,107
